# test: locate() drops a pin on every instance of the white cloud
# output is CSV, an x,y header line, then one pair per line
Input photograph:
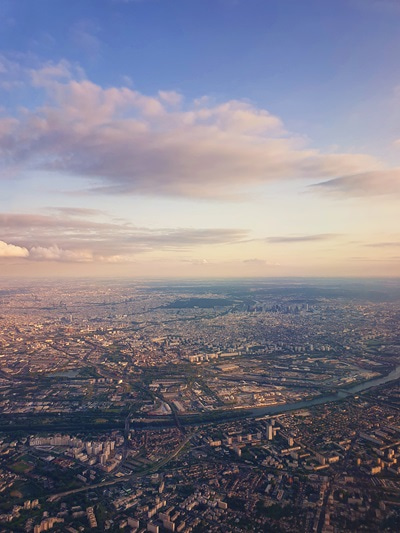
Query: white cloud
x,y
54,253
51,71
10,250
170,97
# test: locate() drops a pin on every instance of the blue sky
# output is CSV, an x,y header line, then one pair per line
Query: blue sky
x,y
200,137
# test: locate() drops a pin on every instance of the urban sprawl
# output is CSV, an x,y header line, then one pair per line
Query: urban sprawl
x,y
218,406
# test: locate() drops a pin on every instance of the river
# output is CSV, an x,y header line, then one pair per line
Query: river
x,y
339,395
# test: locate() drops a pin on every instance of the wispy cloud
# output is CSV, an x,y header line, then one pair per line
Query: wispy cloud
x,y
374,183
394,259
392,244
289,239
84,35
76,211
380,6
259,263
70,239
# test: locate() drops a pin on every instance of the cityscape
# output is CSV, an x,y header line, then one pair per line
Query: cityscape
x,y
199,266
250,405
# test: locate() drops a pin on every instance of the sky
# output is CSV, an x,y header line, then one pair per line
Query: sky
x,y
200,138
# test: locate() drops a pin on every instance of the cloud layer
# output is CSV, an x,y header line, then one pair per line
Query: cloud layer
x,y
124,141
68,238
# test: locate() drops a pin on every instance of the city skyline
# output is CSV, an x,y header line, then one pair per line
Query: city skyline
x,y
200,139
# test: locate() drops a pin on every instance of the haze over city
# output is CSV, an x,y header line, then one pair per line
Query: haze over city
x,y
200,138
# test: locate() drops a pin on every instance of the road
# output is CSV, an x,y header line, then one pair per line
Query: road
x,y
151,469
